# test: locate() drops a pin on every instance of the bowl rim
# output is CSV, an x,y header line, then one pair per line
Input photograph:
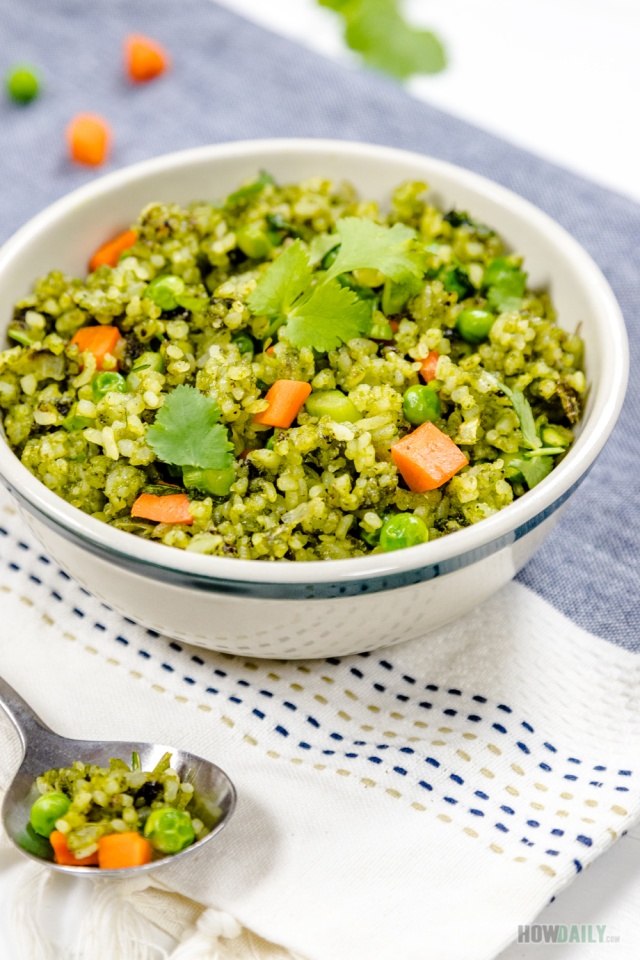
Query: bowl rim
x,y
158,560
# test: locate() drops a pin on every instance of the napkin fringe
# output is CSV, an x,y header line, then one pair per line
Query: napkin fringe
x,y
112,928
24,915
202,942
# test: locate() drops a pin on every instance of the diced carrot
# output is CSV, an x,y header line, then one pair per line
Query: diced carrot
x,y
428,366
173,508
427,458
395,326
110,251
89,138
270,350
65,857
145,58
119,850
98,340
285,398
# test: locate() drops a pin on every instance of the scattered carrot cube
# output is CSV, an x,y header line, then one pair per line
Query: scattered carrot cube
x,y
65,857
110,251
285,398
145,58
89,138
119,850
427,458
99,340
428,366
172,508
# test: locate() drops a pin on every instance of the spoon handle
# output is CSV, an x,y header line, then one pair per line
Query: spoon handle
x,y
20,713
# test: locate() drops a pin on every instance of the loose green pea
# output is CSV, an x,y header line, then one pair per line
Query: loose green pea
x,y
403,530
244,343
474,324
164,290
104,383
169,830
216,482
420,403
334,404
46,810
22,83
253,241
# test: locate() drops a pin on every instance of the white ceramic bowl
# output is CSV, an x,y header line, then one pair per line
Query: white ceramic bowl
x,y
321,608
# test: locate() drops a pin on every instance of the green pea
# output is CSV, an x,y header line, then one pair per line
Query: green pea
x,y
474,324
253,241
244,343
34,844
104,383
216,482
403,530
164,290
169,830
46,810
420,403
22,83
334,404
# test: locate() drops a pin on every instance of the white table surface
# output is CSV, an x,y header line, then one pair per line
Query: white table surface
x,y
559,78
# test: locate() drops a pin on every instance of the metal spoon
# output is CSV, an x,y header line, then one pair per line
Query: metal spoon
x,y
45,750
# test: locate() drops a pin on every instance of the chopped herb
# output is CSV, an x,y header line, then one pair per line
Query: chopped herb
x,y
570,400
456,280
523,411
458,219
505,285
250,190
24,337
186,431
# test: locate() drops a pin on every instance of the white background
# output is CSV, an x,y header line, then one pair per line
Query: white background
x,y
560,78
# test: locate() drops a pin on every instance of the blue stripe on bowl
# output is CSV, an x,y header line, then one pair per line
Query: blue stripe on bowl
x,y
294,591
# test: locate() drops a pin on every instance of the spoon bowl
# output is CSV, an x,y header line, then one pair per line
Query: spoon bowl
x,y
214,793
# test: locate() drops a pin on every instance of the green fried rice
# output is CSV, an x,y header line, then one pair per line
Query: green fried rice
x,y
86,802
508,381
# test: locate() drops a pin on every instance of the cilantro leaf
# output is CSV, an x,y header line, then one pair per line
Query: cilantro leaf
x,y
534,470
366,245
321,245
329,316
186,431
523,411
250,190
377,30
282,282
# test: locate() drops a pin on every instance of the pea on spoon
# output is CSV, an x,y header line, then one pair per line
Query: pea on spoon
x,y
43,750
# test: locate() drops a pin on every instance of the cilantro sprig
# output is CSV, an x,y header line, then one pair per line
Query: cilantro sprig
x,y
316,310
186,431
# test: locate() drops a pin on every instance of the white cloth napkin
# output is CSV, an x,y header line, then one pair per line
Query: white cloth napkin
x,y
419,801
